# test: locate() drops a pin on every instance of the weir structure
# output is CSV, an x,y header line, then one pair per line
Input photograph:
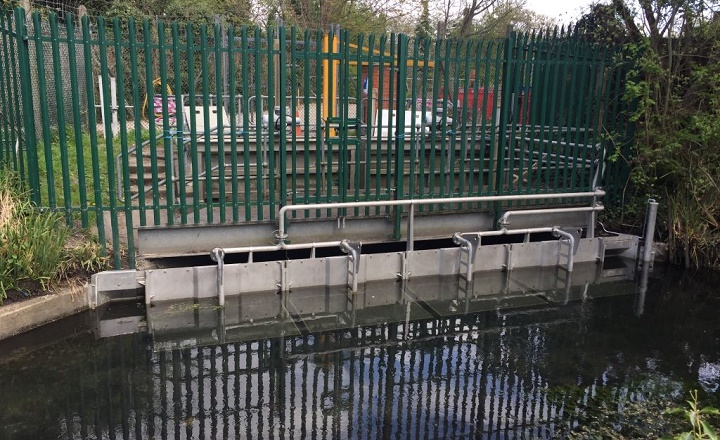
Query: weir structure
x,y
222,160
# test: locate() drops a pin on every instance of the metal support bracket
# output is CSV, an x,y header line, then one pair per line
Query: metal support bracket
x,y
353,249
218,255
571,238
576,234
284,285
469,244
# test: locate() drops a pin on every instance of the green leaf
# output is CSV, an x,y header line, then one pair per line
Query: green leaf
x,y
708,431
675,411
685,436
710,410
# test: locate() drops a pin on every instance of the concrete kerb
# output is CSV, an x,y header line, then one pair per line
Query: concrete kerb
x,y
35,312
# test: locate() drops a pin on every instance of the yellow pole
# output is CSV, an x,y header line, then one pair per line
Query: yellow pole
x,y
330,73
326,79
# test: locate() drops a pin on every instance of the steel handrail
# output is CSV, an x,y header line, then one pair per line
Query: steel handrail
x,y
282,235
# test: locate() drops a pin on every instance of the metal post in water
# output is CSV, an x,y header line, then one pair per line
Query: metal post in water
x,y
218,255
650,220
639,306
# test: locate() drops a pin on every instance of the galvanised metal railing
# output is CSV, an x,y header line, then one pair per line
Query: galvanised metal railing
x,y
284,116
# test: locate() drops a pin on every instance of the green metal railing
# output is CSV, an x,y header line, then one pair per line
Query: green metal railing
x,y
268,118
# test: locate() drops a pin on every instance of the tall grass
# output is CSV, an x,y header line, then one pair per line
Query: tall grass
x,y
33,244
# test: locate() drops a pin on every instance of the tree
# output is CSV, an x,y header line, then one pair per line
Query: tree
x,y
489,18
457,16
365,16
603,25
511,13
676,88
423,30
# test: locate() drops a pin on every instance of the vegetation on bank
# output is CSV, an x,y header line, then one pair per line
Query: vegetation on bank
x,y
676,88
37,250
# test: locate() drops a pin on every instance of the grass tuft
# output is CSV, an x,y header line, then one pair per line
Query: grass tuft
x,y
35,246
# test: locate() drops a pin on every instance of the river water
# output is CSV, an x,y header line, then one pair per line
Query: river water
x,y
530,354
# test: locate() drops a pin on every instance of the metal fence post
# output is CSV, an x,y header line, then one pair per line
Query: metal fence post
x,y
505,117
399,166
30,143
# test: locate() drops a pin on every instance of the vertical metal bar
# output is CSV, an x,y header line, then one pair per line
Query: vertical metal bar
x,y
343,117
445,155
110,155
544,115
192,128
581,74
463,122
294,85
62,126
92,128
178,151
8,72
590,155
5,72
527,148
415,132
260,171
282,102
478,105
30,144
230,82
77,124
505,117
436,85
399,165
44,113
246,91
391,186
329,82
120,75
319,135
18,46
133,48
207,141
149,87
382,102
518,58
307,70
564,113
220,130
5,136
451,132
271,87
360,145
426,129
649,234
167,130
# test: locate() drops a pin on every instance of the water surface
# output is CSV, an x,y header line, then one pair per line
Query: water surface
x,y
532,354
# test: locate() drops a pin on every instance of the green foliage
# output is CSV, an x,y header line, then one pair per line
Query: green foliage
x,y
675,89
423,30
697,418
33,244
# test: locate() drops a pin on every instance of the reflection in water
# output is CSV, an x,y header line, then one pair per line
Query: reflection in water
x,y
521,363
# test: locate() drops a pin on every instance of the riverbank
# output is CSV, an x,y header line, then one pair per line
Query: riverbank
x,y
37,311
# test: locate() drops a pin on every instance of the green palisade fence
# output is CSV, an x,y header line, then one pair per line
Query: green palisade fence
x,y
124,124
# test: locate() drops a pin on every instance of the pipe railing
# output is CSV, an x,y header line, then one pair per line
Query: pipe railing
x,y
218,254
504,220
281,234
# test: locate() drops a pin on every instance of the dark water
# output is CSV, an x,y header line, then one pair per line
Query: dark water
x,y
529,355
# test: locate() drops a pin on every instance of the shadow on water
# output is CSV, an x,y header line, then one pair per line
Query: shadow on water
x,y
527,354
